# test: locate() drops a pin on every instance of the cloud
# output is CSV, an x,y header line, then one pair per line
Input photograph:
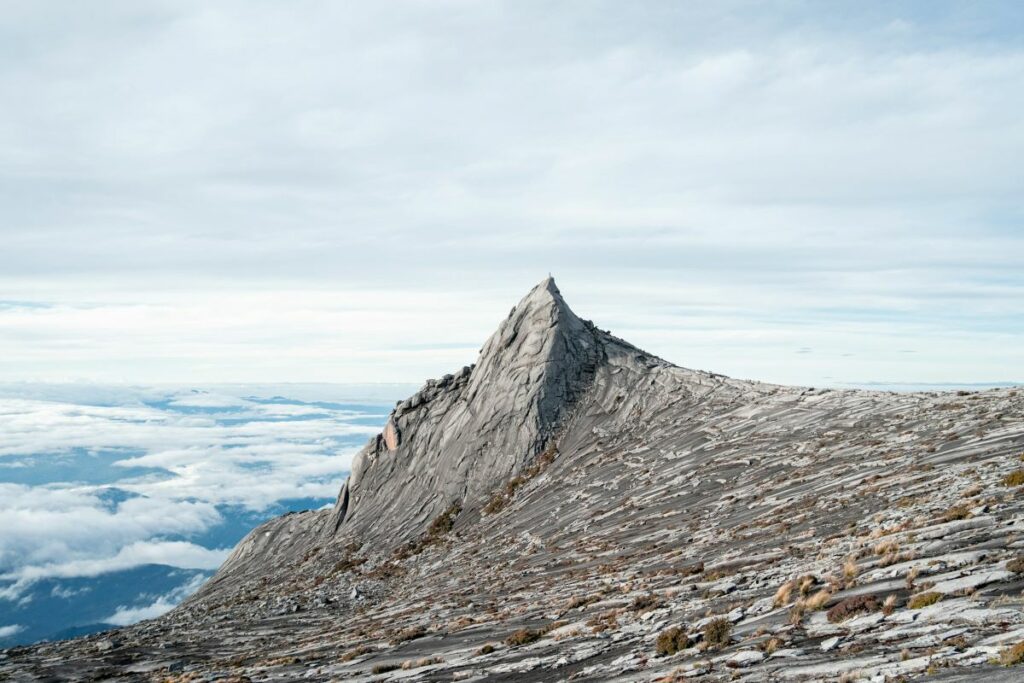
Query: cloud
x,y
12,630
141,475
251,193
163,604
169,553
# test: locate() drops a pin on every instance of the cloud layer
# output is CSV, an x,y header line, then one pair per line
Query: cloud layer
x,y
356,192
149,476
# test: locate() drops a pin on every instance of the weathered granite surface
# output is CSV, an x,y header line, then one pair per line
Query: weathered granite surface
x,y
576,487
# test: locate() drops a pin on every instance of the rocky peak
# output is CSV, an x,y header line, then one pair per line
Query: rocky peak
x,y
463,435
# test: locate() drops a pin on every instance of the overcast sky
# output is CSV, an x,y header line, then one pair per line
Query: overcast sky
x,y
811,193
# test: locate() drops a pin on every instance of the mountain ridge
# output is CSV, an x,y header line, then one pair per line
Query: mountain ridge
x,y
571,507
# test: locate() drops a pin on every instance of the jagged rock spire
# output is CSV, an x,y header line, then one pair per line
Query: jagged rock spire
x,y
461,436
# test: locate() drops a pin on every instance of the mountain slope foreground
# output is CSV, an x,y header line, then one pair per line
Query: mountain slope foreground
x,y
573,508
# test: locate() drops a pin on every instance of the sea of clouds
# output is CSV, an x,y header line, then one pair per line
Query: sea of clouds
x,y
118,502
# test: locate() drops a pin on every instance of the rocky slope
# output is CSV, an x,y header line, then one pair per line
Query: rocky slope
x,y
572,508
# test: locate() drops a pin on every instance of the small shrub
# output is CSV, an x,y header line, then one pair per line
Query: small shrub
x,y
357,652
956,512
384,668
886,547
581,601
783,594
485,650
523,636
850,569
1012,656
818,600
889,606
671,641
796,612
417,663
718,632
544,630
1015,478
853,606
924,599
912,577
604,622
411,633
645,602
444,522
1016,565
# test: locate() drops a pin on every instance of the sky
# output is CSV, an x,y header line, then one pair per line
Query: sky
x,y
220,192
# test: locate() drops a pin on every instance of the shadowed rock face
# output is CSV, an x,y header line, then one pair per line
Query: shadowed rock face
x,y
569,498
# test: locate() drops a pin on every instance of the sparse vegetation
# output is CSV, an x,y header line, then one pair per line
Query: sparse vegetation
x,y
850,570
718,632
384,668
438,529
523,636
643,603
889,606
771,645
423,661
818,600
604,622
671,641
1015,478
1012,656
356,652
444,522
504,495
485,650
957,512
411,633
853,606
782,595
924,600
581,601
1016,565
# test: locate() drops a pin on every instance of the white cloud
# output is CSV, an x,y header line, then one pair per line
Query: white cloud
x,y
163,604
12,630
169,553
358,192
251,453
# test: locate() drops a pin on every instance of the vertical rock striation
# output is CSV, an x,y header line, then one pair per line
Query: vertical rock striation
x,y
459,437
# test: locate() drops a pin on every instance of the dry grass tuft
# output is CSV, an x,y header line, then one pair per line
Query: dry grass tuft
x,y
889,606
1012,656
356,652
411,633
783,594
718,632
671,641
818,600
956,512
853,606
924,600
523,636
850,569
1015,478
417,663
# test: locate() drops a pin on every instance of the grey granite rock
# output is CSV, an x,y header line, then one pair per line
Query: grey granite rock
x,y
548,512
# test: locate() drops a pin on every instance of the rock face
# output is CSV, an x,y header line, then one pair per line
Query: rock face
x,y
458,438
555,510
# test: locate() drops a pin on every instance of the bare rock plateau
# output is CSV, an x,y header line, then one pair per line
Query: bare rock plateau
x,y
573,508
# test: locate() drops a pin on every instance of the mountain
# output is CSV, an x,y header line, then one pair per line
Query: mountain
x,y
571,507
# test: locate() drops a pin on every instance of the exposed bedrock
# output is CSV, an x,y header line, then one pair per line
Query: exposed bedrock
x,y
572,508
